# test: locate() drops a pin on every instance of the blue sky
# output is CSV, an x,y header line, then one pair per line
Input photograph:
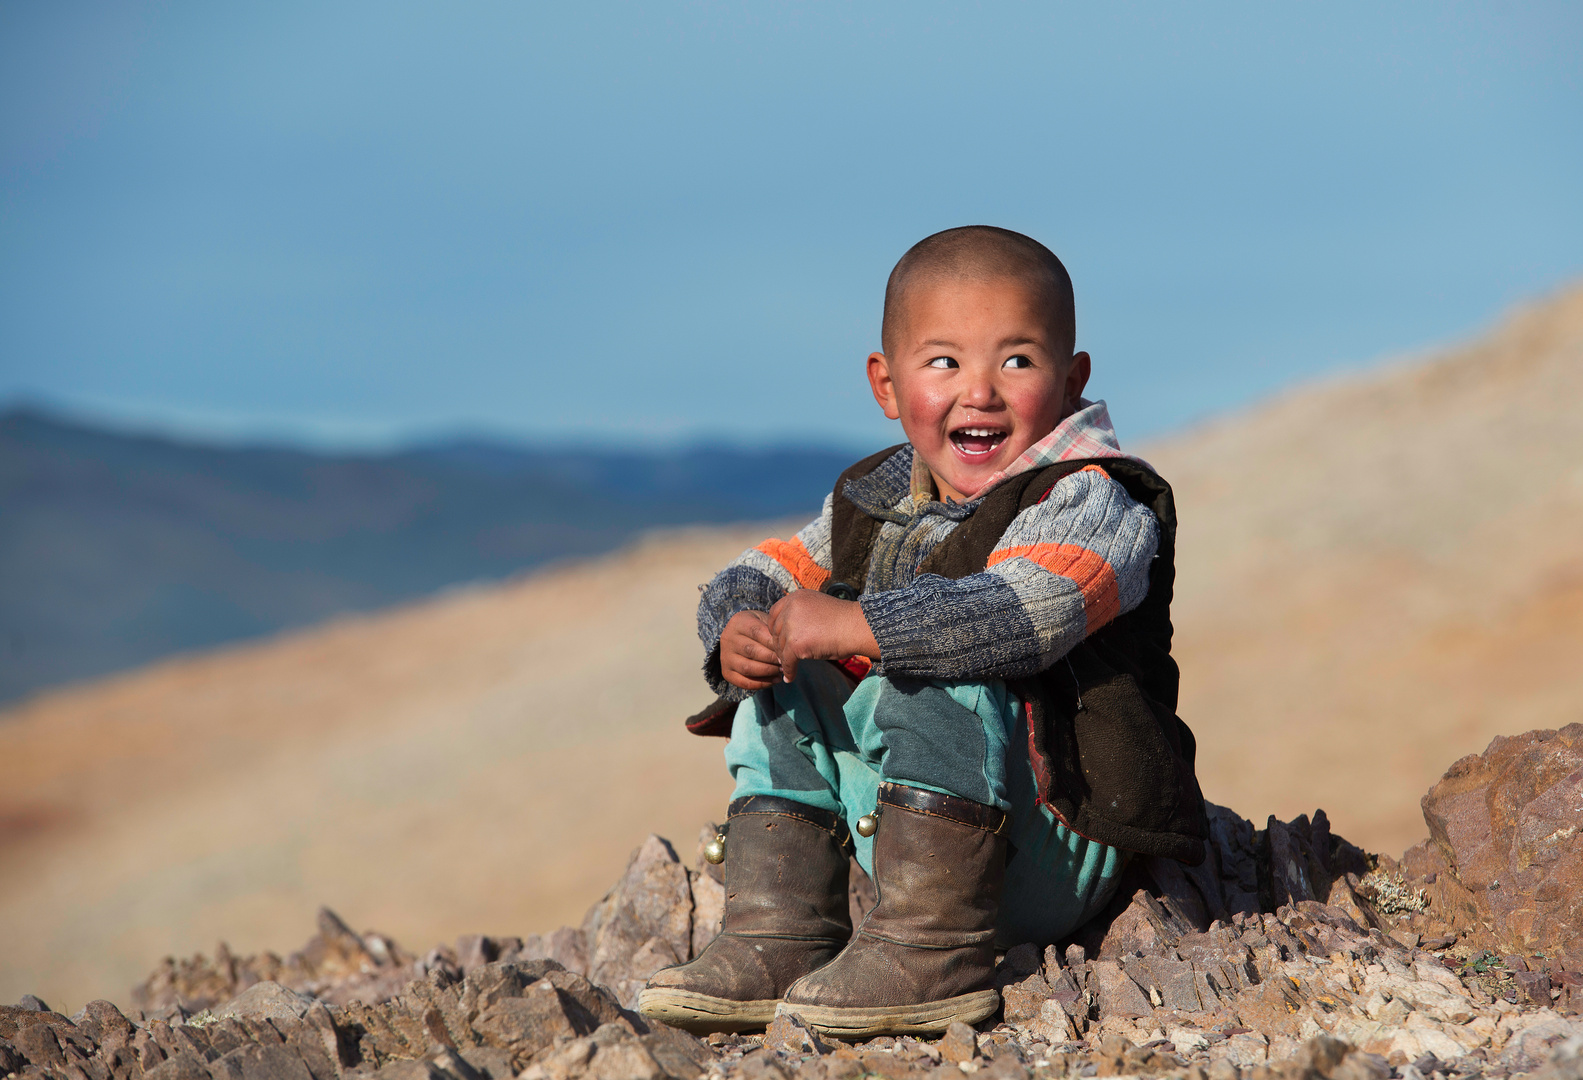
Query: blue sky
x,y
362,223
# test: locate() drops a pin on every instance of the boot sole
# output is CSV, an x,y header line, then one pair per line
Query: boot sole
x,y
702,1014
928,1018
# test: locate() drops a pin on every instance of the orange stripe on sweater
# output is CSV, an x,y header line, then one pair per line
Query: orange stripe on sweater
x,y
1091,573
795,558
1085,468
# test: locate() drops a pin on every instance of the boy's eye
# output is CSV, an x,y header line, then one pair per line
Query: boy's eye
x,y
1018,361
942,362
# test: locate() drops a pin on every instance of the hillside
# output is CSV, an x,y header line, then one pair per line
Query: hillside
x,y
1376,575
119,549
482,759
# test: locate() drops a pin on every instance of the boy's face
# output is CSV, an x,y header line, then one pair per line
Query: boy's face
x,y
976,377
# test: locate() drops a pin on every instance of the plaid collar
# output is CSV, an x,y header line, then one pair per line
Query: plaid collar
x,y
1087,433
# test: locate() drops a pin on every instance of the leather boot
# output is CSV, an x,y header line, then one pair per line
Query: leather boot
x,y
925,956
786,914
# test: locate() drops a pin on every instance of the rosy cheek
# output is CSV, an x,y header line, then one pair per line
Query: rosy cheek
x,y
1041,406
934,404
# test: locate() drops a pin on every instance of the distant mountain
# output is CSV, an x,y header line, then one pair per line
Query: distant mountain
x,y
118,549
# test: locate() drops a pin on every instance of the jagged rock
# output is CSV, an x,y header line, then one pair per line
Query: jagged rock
x,y
105,1025
1507,822
597,1001
1144,926
625,1060
266,1000
652,900
1022,1001
255,1062
42,1037
476,950
762,1064
709,904
1117,994
184,1065
567,946
336,965
1169,982
959,1044
790,1035
1234,851
11,1059
682,1056
522,1026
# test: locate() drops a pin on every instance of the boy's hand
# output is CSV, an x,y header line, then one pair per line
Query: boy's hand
x,y
747,651
811,625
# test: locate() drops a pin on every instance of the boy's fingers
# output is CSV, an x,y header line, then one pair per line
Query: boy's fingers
x,y
762,654
756,647
746,683
763,666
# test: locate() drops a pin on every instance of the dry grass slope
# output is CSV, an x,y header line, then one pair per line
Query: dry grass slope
x,y
1375,576
1379,575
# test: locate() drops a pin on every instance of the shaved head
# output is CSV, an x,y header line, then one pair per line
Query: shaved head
x,y
982,253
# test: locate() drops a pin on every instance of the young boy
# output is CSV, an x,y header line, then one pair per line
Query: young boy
x,y
961,672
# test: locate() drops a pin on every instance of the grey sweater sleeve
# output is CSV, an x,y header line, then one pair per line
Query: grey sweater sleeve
x,y
1063,569
754,581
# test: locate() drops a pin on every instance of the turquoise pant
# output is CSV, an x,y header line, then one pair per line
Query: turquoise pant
x,y
822,742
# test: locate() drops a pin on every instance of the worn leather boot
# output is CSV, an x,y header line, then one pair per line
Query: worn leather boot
x,y
925,956
786,914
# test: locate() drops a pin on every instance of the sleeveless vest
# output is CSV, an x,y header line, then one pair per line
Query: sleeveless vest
x,y
1112,759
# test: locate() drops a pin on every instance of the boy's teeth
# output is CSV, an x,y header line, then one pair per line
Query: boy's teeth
x,y
977,441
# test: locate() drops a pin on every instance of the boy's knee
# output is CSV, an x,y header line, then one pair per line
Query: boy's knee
x,y
933,739
929,703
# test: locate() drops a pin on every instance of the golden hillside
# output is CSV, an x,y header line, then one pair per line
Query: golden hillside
x,y
1378,575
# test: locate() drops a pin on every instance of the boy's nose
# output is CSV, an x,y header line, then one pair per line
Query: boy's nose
x,y
981,393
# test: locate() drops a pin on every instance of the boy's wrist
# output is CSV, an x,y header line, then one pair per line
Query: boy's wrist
x,y
860,636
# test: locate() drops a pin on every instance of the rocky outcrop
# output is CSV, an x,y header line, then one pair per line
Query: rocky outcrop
x,y
1288,954
1508,825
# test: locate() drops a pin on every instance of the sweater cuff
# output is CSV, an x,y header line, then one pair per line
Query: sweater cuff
x,y
893,620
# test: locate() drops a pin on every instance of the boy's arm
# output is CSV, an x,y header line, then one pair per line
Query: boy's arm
x,y
1064,568
754,581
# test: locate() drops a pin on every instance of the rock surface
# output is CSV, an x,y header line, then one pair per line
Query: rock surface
x,y
1289,954
1507,824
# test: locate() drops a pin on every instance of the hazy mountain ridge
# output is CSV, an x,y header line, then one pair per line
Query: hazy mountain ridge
x,y
119,549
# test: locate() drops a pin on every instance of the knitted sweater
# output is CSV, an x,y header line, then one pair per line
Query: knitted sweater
x,y
1064,568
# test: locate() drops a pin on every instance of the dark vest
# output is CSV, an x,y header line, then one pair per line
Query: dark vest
x,y
1113,760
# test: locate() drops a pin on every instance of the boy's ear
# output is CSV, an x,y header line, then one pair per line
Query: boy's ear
x,y
1076,379
883,385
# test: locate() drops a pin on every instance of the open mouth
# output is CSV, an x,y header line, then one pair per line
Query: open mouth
x,y
977,443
